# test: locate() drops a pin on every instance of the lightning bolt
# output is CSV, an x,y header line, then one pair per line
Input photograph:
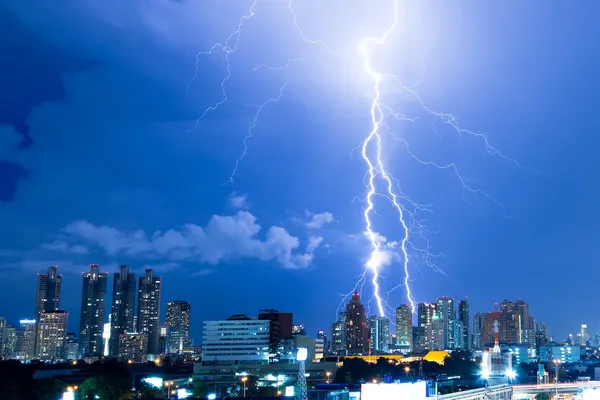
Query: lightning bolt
x,y
379,182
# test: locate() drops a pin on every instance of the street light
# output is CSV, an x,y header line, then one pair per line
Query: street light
x,y
407,370
328,374
244,379
556,362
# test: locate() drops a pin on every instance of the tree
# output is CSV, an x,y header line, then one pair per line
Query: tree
x,y
200,389
109,381
49,389
543,396
148,391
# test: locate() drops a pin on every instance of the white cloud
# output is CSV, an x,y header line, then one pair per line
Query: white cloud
x,y
238,201
64,247
317,220
224,238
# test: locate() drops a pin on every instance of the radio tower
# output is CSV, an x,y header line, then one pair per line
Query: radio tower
x,y
301,393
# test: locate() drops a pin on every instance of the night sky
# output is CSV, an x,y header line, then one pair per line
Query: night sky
x,y
99,162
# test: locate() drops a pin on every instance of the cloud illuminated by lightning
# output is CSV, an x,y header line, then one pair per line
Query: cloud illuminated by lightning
x,y
377,174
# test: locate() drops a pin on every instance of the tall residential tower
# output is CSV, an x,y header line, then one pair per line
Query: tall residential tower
x,y
123,307
48,291
93,302
149,291
178,331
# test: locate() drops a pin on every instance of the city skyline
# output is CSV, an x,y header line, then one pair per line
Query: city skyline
x,y
104,160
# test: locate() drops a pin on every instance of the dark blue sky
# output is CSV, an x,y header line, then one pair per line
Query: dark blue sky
x,y
97,163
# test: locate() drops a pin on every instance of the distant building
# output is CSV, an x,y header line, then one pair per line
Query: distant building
x,y
162,339
321,334
298,330
404,326
424,335
458,332
565,354
319,349
48,291
149,292
10,342
93,302
357,330
338,336
379,329
51,336
465,320
585,337
447,314
123,307
178,322
25,340
477,331
71,347
133,346
236,340
437,333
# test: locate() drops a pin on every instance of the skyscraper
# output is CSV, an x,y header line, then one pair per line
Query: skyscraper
x,y
447,313
478,331
425,313
404,326
51,336
123,307
48,291
379,329
338,336
357,330
178,320
280,328
93,302
149,291
464,318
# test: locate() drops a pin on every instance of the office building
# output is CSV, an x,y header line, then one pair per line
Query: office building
x,y
465,321
51,336
585,337
564,354
178,321
133,347
25,340
357,329
123,307
458,331
447,314
379,339
404,327
48,291
236,340
437,332
149,292
338,336
280,327
93,303
321,334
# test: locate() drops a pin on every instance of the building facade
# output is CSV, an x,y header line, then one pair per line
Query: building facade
x,y
280,327
379,329
477,331
357,329
404,326
464,317
25,340
133,347
338,336
51,336
178,321
71,347
123,307
447,314
149,292
48,291
563,354
424,339
93,304
236,340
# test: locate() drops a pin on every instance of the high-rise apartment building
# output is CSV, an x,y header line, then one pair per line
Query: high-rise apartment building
x,y
338,336
123,307
10,342
93,303
71,347
48,291
133,346
25,340
379,330
447,313
357,330
236,340
51,336
178,320
425,313
404,326
465,323
149,292
437,333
